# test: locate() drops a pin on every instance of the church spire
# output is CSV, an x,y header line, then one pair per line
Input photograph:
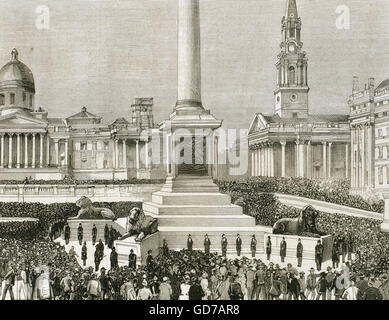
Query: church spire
x,y
291,10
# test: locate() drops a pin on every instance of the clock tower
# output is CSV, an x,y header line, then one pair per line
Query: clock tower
x,y
291,94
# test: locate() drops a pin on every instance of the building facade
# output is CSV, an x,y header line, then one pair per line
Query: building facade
x,y
292,142
37,146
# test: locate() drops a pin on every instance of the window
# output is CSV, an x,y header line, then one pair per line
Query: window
x,y
380,175
379,133
24,97
106,145
2,99
31,99
12,98
380,152
83,146
295,115
292,79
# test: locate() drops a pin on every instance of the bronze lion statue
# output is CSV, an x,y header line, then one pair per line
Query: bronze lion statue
x,y
304,223
140,225
88,211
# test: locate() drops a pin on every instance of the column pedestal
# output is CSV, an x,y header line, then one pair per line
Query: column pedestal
x,y
283,162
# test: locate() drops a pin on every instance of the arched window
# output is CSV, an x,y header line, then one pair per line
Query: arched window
x,y
31,99
292,73
2,100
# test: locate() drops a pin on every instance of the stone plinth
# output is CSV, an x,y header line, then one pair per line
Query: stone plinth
x,y
123,248
193,205
87,226
309,245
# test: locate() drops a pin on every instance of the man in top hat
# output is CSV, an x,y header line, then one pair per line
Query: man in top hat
x,y
299,253
253,246
94,234
80,232
224,244
189,243
132,260
165,248
268,248
238,244
67,233
319,255
283,249
207,244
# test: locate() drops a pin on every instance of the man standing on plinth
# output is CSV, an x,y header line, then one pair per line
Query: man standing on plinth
x,y
253,246
165,248
94,234
207,244
300,249
268,248
189,243
106,234
67,233
238,244
114,258
132,260
283,250
84,254
80,232
319,255
224,245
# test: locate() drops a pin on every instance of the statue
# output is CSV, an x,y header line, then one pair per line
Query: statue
x,y
88,211
305,223
140,225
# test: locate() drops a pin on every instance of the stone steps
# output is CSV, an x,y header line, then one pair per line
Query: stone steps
x,y
166,198
160,210
206,220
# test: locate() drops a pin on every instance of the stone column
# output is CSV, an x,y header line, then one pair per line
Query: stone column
x,y
369,157
266,164
301,158
147,154
41,151
309,160
66,152
283,159
271,160
10,150
124,153
347,159
33,151
259,161
116,153
352,157
253,153
324,159
48,151
137,155
263,162
357,161
18,150
189,58
26,150
2,151
363,158
56,147
305,74
329,159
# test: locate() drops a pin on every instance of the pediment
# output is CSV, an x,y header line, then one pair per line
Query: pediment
x,y
20,121
259,123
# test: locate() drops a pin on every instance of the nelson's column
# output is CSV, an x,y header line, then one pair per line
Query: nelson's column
x,y
189,202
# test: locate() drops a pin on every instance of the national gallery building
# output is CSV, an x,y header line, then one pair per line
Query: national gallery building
x,y
37,146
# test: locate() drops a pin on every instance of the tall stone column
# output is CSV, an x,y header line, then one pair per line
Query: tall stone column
x,y
66,152
369,157
26,150
124,153
309,160
33,150
10,150
56,147
363,157
41,151
48,151
137,155
347,160
329,159
189,57
352,157
357,161
325,159
266,161
116,153
2,151
253,156
301,158
18,150
283,159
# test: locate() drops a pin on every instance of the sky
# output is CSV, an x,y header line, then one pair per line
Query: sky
x,y
103,53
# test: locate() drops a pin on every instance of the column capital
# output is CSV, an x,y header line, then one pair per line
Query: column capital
x,y
10,133
18,134
324,143
33,134
283,143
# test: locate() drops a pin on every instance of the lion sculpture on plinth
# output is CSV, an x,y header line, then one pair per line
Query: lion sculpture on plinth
x,y
88,211
304,223
140,225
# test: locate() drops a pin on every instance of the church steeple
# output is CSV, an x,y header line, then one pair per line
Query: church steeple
x,y
291,94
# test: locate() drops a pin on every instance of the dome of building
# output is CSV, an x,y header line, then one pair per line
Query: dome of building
x,y
16,72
